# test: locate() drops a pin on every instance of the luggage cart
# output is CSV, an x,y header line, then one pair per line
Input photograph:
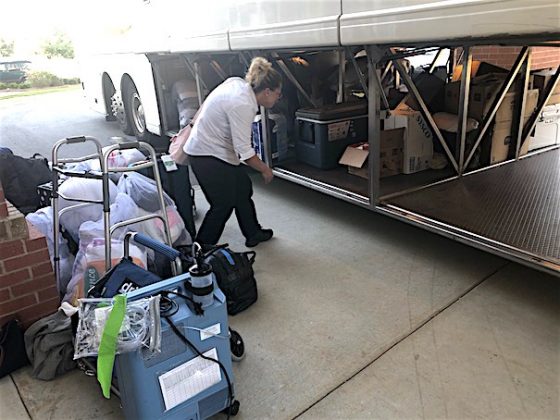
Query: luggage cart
x,y
192,377
103,157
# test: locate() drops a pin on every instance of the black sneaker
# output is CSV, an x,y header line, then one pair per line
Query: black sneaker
x,y
261,236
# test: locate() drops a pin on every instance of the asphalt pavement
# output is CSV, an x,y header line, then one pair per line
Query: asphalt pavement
x,y
32,124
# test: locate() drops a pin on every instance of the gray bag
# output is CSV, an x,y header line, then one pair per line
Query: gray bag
x,y
49,346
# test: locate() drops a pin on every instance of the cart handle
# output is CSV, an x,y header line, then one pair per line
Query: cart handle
x,y
170,253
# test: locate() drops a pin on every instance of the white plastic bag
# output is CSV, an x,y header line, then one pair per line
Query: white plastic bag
x,y
42,219
82,189
143,191
122,209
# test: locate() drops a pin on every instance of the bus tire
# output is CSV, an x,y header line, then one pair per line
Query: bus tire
x,y
119,111
135,112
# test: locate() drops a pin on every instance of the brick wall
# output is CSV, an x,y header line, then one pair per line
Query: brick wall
x,y
542,57
27,283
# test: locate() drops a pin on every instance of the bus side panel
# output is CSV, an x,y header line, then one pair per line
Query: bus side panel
x,y
266,24
383,21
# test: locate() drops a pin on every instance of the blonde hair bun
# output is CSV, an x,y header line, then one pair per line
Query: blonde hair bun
x,y
261,75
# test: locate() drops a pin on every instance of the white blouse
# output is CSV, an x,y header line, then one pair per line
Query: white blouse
x,y
223,127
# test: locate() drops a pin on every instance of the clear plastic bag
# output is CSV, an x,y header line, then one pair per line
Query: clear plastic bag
x,y
82,189
122,209
42,219
140,329
143,191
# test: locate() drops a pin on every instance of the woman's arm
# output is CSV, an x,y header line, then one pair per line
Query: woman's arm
x,y
257,164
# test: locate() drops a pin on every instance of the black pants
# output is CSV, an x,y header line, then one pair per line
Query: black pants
x,y
226,188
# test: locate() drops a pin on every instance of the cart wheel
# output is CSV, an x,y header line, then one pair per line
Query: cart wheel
x,y
236,345
233,409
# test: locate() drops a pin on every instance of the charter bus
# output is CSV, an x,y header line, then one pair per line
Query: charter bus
x,y
465,144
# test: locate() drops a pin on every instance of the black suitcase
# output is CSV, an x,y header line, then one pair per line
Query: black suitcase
x,y
178,185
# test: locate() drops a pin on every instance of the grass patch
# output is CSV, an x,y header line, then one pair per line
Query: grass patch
x,y
33,92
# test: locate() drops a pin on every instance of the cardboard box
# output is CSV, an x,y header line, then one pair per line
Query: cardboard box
x,y
418,143
356,155
502,140
547,128
482,91
505,111
482,95
540,81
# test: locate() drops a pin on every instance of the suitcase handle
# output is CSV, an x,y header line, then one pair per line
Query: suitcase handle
x,y
170,253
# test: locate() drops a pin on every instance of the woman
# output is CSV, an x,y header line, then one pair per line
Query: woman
x,y
221,140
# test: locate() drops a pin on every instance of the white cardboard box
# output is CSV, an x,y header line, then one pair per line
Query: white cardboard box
x,y
547,128
418,147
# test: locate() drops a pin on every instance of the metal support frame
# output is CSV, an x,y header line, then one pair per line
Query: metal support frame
x,y
414,91
498,101
374,126
464,96
244,59
386,70
218,69
200,84
280,62
341,75
542,103
361,76
381,92
521,111
433,64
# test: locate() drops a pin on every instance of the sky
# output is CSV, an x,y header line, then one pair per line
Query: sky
x,y
29,22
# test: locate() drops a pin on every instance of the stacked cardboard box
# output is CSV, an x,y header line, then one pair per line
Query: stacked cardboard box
x,y
418,143
540,81
482,93
391,158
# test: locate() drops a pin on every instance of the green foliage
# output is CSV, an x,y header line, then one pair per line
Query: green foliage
x,y
6,48
71,81
58,46
23,85
40,79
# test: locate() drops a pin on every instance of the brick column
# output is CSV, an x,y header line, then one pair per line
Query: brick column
x,y
27,283
3,205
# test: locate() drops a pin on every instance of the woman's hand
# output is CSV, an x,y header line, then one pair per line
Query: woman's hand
x,y
257,164
267,175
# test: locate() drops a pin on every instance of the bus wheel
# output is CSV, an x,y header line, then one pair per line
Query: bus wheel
x,y
135,111
118,110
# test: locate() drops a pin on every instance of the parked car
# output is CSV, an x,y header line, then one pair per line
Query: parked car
x,y
13,71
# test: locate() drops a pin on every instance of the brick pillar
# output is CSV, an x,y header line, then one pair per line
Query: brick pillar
x,y
3,205
27,283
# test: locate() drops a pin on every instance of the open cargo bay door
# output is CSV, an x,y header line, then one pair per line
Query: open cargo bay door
x,y
500,198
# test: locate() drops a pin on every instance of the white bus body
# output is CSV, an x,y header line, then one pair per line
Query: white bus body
x,y
173,40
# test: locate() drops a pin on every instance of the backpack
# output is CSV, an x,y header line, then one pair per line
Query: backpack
x,y
234,274
12,348
20,177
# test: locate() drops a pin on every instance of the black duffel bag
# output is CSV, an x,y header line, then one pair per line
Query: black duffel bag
x,y
234,274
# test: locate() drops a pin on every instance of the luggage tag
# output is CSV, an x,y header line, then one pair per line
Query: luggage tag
x,y
168,163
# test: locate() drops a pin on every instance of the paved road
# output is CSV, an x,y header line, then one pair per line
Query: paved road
x,y
32,124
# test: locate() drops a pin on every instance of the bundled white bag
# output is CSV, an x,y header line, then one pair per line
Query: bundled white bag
x,y
82,189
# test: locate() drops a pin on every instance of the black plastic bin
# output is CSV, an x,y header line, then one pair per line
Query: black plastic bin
x,y
324,133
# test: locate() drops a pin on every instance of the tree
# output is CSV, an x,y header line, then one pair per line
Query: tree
x,y
58,46
6,48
